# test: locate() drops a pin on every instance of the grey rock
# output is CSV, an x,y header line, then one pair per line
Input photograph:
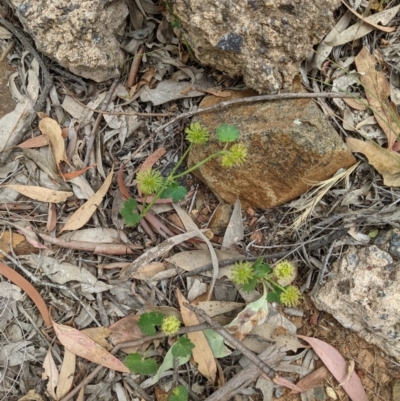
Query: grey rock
x,y
79,35
262,40
364,296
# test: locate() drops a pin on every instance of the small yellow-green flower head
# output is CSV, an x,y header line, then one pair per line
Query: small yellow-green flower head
x,y
170,325
235,156
197,134
242,273
284,269
149,181
291,296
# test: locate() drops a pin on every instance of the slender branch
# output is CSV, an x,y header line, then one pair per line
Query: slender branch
x,y
216,326
253,99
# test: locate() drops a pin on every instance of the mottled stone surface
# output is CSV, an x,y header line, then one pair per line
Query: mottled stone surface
x,y
262,40
80,35
289,144
363,294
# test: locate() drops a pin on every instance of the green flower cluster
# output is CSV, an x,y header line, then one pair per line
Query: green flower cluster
x,y
149,181
235,156
248,276
170,325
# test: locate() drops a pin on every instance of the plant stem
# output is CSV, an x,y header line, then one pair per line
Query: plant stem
x,y
207,159
166,182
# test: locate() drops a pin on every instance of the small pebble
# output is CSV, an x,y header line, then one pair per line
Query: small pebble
x,y
294,312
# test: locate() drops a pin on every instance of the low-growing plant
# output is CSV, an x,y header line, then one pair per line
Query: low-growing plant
x,y
181,349
275,280
153,184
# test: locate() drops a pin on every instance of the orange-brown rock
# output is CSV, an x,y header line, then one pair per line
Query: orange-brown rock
x,y
290,144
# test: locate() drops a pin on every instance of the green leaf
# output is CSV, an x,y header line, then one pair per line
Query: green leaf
x,y
183,347
127,212
179,393
148,321
262,270
274,296
174,191
227,133
168,363
137,364
373,234
251,285
217,344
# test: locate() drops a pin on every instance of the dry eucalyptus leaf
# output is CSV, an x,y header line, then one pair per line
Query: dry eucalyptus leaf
x,y
85,212
377,91
52,131
385,161
40,194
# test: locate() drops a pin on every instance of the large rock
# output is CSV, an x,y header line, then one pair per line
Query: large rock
x,y
262,40
290,143
363,294
80,35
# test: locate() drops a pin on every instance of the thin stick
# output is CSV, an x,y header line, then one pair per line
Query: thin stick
x,y
92,137
236,343
253,99
135,68
7,51
316,244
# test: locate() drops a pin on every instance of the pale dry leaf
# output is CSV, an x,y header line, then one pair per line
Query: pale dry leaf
x,y
81,345
215,308
364,27
156,252
40,194
201,352
386,162
146,272
80,217
52,131
377,91
253,314
31,395
376,26
50,374
234,232
188,222
67,372
64,272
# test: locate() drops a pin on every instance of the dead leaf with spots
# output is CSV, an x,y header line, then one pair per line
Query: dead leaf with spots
x,y
377,91
85,212
81,345
201,352
40,194
53,132
385,161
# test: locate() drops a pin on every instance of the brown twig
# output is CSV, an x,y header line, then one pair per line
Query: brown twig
x,y
216,326
114,113
96,125
7,51
135,67
317,244
253,99
127,344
